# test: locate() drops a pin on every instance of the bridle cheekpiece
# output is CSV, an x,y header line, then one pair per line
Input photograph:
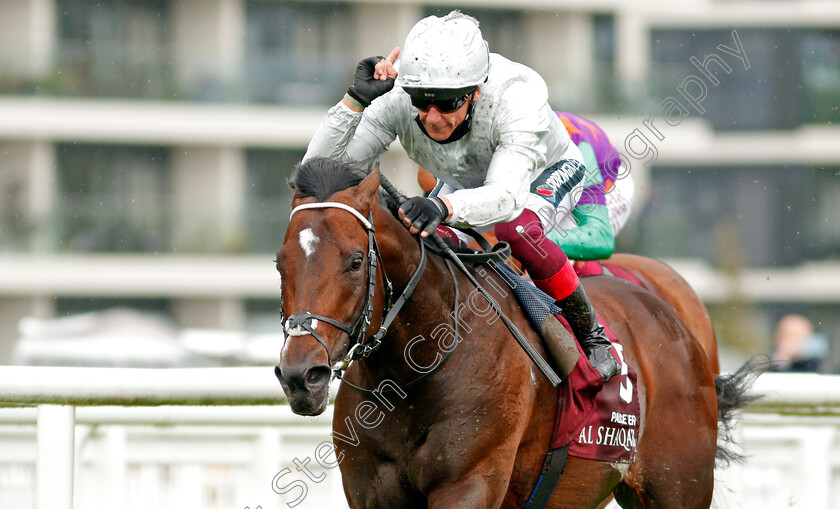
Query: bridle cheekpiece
x,y
304,323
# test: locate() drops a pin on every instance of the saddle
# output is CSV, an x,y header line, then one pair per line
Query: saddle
x,y
595,419
610,413
598,268
594,424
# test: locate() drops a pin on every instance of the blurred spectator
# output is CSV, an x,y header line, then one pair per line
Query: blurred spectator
x,y
797,348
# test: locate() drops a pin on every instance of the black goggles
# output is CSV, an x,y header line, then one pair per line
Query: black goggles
x,y
443,105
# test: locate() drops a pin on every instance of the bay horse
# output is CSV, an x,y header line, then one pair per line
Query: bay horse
x,y
666,283
657,277
444,420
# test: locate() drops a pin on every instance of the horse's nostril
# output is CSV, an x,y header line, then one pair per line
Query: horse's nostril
x,y
318,376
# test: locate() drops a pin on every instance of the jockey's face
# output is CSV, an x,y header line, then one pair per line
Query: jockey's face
x,y
439,125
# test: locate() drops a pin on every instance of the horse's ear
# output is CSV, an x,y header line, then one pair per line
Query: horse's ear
x,y
367,191
299,198
296,197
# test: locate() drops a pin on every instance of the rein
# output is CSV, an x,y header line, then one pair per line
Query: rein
x,y
535,356
361,346
432,371
304,323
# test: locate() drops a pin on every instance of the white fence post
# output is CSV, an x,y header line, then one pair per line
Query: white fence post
x,y
115,467
56,442
816,471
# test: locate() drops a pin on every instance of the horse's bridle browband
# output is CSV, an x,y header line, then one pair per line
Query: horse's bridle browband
x,y
360,345
368,224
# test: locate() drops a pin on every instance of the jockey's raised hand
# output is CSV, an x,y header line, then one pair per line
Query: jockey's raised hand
x,y
423,215
374,77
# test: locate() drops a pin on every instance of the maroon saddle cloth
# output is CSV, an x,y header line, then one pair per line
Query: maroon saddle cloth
x,y
597,420
601,426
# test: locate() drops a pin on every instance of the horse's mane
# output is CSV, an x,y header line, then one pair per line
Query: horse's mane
x,y
322,177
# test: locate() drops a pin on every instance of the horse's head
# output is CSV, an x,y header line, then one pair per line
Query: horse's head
x,y
324,265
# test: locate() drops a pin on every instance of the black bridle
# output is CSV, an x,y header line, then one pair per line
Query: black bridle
x,y
361,346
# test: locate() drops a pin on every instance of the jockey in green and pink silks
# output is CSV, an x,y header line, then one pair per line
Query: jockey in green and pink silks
x,y
605,204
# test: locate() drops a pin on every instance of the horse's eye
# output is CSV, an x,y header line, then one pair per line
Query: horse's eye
x,y
356,262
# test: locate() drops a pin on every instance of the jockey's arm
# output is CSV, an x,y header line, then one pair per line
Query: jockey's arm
x,y
501,198
346,132
593,238
525,142
528,138
350,135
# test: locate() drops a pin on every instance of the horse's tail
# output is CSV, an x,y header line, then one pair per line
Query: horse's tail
x,y
733,395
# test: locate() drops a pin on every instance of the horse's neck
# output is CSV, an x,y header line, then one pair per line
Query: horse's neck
x,y
410,343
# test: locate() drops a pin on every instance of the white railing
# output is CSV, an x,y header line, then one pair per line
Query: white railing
x,y
792,444
244,435
163,451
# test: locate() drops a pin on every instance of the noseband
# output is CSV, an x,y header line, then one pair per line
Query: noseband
x,y
301,324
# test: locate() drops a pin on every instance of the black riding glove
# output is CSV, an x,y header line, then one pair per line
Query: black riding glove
x,y
425,214
365,88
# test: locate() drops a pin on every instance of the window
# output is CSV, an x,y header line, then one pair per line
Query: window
x,y
501,28
767,95
112,198
821,76
607,90
826,227
740,216
269,196
113,49
67,306
296,52
263,316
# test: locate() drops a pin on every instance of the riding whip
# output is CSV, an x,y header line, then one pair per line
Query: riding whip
x,y
526,345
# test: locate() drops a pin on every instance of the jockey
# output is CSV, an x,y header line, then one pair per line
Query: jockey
x,y
604,206
482,125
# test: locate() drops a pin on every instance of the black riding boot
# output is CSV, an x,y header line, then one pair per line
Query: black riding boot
x,y
590,334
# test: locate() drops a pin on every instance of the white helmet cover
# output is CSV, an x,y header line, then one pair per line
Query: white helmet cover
x,y
444,53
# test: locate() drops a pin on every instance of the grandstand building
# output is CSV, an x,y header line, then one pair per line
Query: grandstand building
x,y
145,145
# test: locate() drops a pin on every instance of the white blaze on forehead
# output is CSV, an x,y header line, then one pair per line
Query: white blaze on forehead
x,y
308,241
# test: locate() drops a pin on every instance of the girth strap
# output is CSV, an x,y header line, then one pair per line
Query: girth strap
x,y
553,466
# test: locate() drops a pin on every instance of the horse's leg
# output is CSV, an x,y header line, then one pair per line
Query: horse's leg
x,y
471,492
675,457
380,486
483,487
584,484
675,469
663,489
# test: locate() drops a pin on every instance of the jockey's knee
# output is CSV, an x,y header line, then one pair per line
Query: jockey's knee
x,y
524,228
504,231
